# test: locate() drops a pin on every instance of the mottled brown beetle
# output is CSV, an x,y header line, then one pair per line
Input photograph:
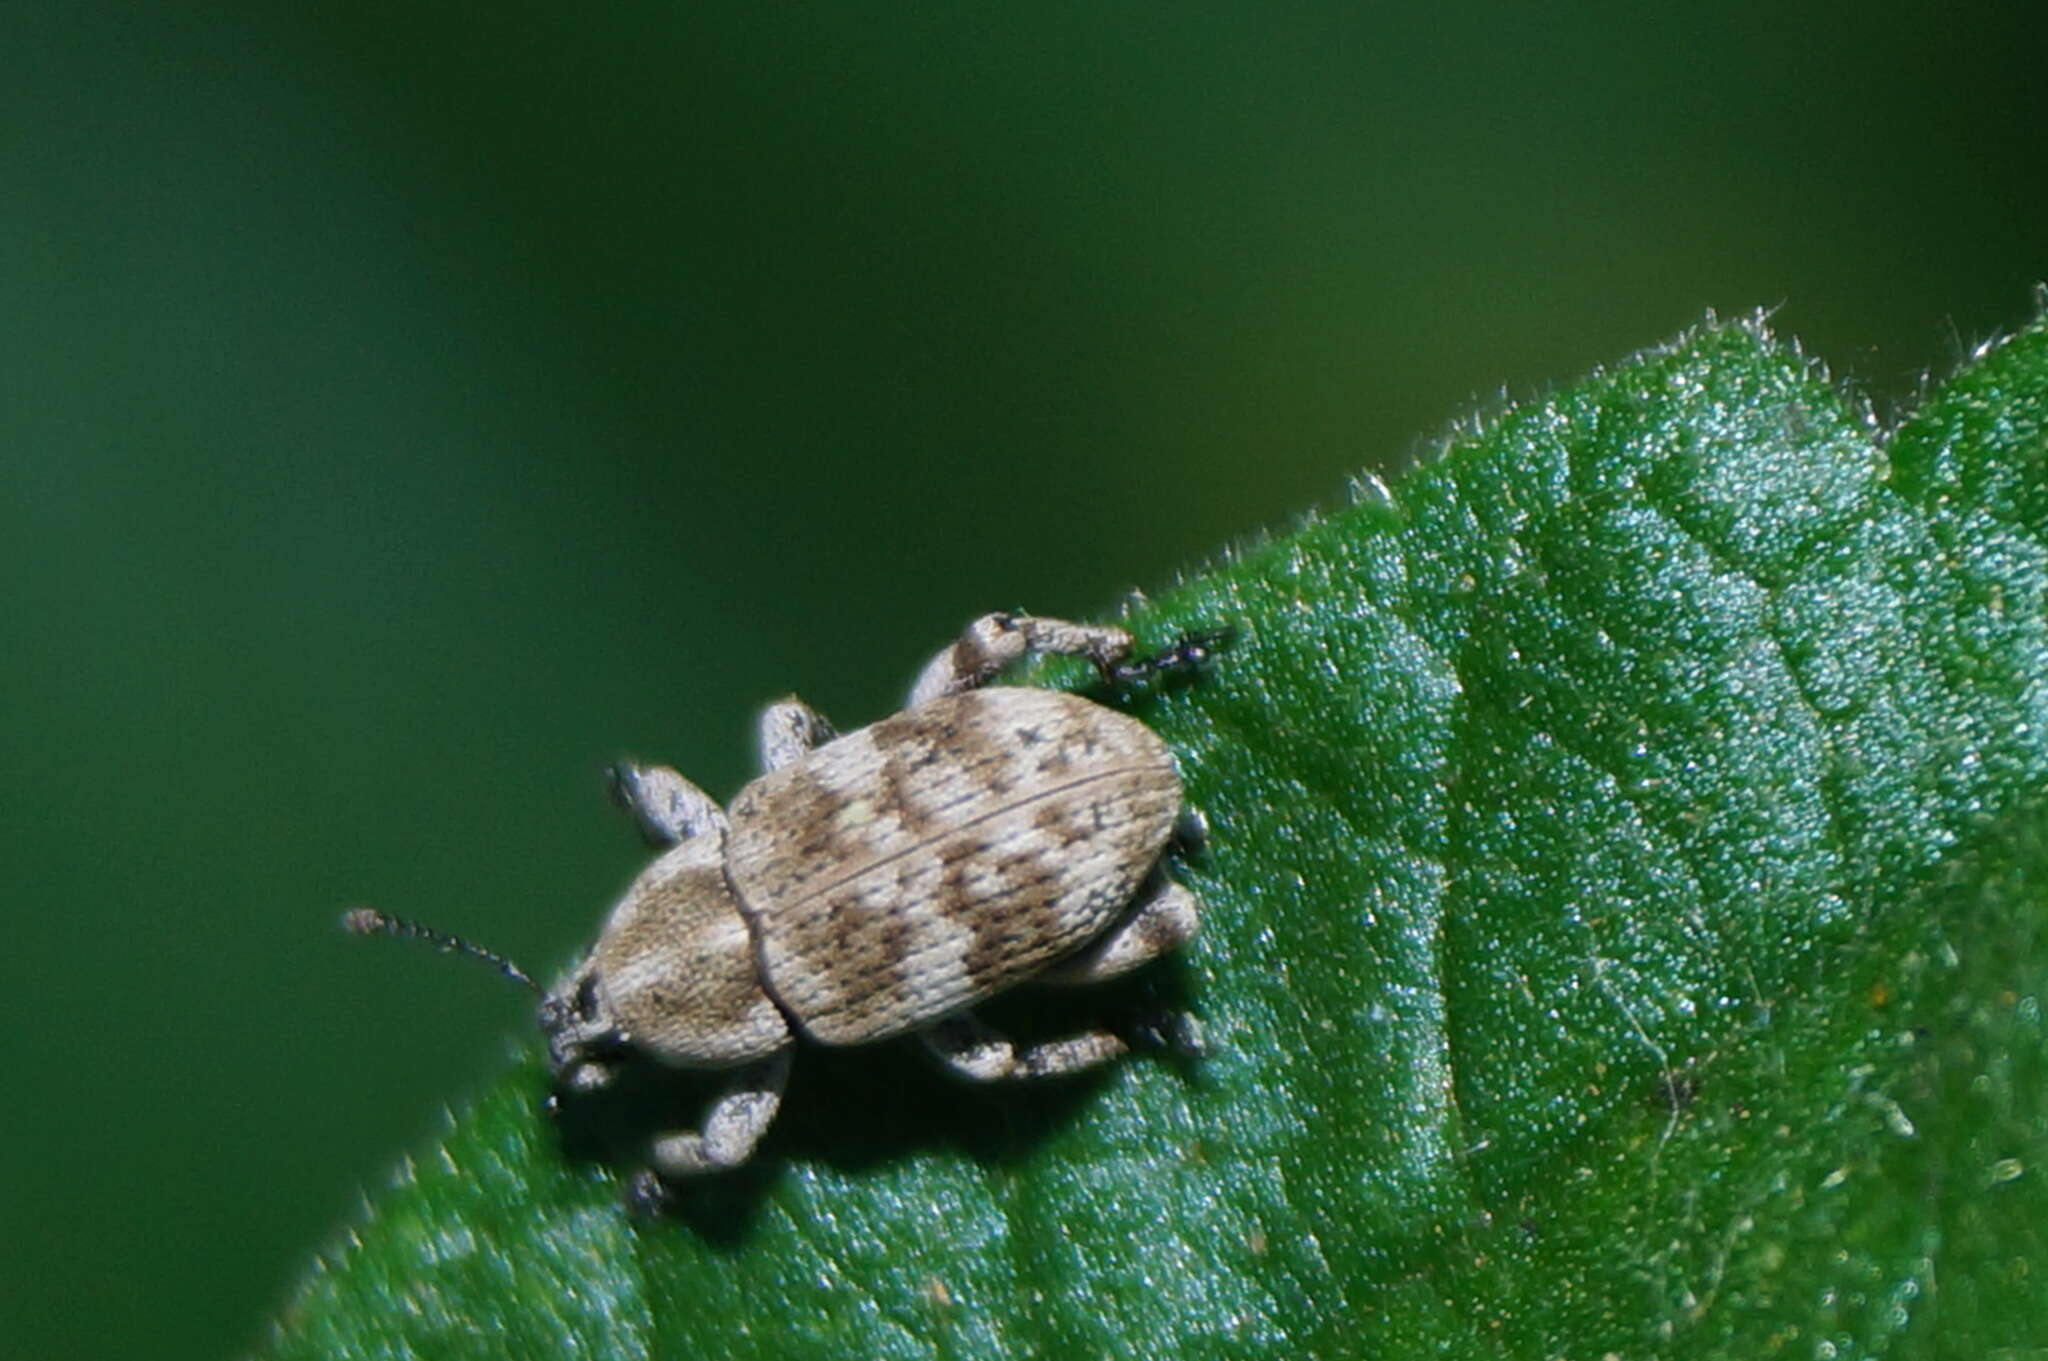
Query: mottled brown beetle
x,y
880,883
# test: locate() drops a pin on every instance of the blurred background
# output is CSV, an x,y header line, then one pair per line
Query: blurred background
x,y
406,409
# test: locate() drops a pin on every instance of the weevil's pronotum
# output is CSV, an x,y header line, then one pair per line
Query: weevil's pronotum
x,y
880,883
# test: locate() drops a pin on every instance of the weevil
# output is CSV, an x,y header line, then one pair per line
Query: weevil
x,y
878,884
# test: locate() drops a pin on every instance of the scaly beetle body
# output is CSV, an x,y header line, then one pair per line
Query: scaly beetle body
x,y
883,882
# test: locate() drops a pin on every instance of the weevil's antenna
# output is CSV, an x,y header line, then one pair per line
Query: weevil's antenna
x,y
368,921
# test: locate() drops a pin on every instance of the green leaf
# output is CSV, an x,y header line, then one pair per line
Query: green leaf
x,y
1623,935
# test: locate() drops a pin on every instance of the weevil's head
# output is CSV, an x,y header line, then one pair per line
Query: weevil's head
x,y
672,978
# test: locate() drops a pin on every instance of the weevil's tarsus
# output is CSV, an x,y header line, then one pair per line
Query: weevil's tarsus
x,y
1188,655
646,1195
1177,1034
368,921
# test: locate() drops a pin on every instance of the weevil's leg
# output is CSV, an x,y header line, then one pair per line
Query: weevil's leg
x,y
788,729
735,1123
975,1052
666,807
1158,925
993,641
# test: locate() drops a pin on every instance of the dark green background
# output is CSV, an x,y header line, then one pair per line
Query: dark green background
x,y
404,410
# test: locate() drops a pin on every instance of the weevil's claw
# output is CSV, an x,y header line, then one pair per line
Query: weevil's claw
x,y
647,1195
1188,655
622,784
1177,1034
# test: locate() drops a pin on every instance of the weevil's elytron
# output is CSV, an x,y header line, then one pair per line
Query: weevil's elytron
x,y
880,883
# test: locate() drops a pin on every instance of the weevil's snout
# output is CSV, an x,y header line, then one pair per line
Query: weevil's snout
x,y
580,1031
